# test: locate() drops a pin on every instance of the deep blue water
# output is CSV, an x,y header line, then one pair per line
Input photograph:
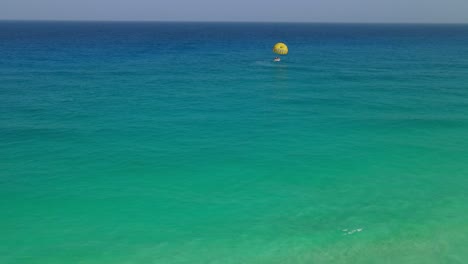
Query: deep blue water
x,y
184,143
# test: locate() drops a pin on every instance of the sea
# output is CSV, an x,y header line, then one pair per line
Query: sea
x,y
184,143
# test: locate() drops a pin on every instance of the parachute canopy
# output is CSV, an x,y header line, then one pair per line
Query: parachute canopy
x,y
280,48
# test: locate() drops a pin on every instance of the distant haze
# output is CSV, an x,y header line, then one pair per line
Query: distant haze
x,y
413,11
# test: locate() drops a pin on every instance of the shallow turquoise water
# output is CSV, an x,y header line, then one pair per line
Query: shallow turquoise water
x,y
184,143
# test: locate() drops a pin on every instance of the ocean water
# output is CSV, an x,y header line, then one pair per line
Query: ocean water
x,y
184,143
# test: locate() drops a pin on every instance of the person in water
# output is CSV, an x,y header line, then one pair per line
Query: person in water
x,y
277,59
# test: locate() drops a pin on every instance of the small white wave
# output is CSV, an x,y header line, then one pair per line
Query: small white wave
x,y
351,231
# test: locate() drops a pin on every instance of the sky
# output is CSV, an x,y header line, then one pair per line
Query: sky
x,y
366,11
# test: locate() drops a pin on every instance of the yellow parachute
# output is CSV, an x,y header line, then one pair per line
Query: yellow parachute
x,y
280,48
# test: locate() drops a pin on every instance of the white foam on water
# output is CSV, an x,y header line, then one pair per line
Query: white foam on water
x,y
350,232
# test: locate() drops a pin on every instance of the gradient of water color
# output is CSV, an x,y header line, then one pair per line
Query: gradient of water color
x,y
185,143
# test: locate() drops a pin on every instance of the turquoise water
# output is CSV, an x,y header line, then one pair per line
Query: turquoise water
x,y
184,143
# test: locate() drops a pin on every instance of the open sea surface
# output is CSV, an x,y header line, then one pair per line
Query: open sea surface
x,y
173,143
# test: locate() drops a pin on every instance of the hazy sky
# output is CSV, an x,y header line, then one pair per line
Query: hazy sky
x,y
432,11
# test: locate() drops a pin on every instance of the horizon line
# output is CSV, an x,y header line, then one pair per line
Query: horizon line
x,y
230,21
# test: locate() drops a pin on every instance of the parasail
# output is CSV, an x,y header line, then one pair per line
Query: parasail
x,y
280,48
